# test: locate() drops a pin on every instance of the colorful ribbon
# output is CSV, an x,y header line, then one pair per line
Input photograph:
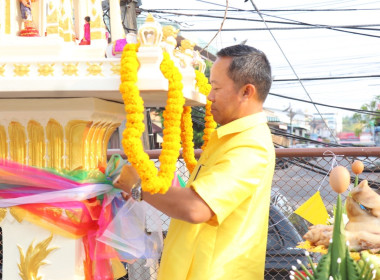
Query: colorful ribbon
x,y
66,203
84,204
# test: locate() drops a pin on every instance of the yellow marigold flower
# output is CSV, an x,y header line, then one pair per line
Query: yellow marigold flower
x,y
152,180
177,122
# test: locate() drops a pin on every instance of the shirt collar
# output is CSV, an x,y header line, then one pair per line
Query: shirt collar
x,y
242,124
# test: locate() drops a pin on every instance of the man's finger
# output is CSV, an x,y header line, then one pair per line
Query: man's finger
x,y
127,178
125,196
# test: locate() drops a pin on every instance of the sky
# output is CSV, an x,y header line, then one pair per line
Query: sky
x,y
302,53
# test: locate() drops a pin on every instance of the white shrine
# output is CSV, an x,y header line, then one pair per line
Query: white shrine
x,y
60,104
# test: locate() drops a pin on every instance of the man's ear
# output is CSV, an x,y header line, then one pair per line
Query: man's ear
x,y
249,91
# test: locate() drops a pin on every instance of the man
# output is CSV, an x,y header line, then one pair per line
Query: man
x,y
220,220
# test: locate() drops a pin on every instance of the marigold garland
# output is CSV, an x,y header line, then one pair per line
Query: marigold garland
x,y
152,180
187,125
187,139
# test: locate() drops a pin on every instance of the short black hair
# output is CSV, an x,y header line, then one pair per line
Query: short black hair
x,y
87,18
249,66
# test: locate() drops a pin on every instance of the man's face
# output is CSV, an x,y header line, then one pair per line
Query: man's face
x,y
225,97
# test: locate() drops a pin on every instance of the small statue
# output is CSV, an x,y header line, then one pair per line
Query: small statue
x,y
198,62
185,53
87,32
28,30
187,47
169,41
170,33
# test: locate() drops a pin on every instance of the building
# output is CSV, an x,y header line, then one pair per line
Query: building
x,y
326,123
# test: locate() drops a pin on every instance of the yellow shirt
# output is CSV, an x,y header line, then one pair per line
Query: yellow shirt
x,y
234,177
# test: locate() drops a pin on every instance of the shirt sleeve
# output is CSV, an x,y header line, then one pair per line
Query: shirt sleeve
x,y
231,180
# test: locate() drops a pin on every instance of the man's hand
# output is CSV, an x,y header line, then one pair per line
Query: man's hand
x,y
127,179
179,203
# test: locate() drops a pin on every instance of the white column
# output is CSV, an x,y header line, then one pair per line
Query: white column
x,y
42,5
2,18
13,17
117,30
77,19
81,10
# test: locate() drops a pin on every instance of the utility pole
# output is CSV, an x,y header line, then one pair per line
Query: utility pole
x,y
131,16
291,115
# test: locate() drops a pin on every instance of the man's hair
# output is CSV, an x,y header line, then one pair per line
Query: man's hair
x,y
249,66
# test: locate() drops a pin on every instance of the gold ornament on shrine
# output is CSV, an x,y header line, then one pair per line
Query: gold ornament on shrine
x,y
150,33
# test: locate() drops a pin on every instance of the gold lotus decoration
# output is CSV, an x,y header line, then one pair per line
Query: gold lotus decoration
x,y
115,68
70,69
21,69
46,69
33,259
94,69
2,70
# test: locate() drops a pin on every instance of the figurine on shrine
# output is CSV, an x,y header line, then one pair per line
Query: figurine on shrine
x,y
87,32
28,29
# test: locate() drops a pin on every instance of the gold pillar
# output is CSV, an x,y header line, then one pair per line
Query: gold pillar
x,y
97,24
36,149
110,130
7,16
55,148
66,21
76,134
58,133
3,143
17,137
52,18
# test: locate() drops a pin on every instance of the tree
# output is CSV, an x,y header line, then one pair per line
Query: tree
x,y
350,124
209,64
368,120
197,115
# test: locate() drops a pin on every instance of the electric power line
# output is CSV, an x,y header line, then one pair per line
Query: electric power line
x,y
260,14
293,70
272,10
300,24
360,111
327,78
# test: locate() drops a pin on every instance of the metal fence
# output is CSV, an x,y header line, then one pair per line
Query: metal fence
x,y
299,174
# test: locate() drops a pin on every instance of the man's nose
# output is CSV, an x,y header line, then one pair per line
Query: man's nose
x,y
210,96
